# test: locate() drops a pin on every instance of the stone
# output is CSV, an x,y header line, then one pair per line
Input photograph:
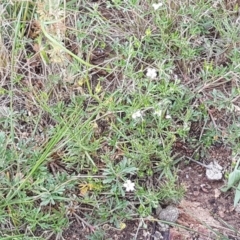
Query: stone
x,y
169,214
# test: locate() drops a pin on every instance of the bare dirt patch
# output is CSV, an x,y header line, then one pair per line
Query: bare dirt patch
x,y
206,197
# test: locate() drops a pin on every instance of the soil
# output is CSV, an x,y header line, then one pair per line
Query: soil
x,y
76,232
206,196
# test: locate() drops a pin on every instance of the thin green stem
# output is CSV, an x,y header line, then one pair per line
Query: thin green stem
x,y
56,43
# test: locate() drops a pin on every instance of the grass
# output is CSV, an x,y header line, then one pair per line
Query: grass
x,y
73,73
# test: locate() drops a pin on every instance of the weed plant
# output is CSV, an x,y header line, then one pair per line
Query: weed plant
x,y
96,94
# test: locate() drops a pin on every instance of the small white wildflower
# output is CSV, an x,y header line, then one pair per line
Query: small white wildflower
x,y
168,116
158,113
137,114
151,73
129,186
156,6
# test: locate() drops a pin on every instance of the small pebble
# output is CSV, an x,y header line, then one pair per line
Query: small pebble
x,y
169,214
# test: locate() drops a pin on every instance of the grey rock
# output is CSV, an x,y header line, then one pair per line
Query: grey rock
x,y
157,236
169,214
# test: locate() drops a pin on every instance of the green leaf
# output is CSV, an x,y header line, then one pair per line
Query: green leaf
x,y
131,170
234,177
237,195
108,180
2,137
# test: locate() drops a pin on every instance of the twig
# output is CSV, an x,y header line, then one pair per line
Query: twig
x,y
135,237
92,229
204,165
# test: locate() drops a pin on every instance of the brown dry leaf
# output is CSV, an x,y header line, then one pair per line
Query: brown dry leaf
x,y
85,187
217,193
33,30
36,47
4,57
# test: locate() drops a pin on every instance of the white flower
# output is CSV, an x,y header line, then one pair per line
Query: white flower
x,y
158,113
129,186
168,116
151,73
156,6
137,114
